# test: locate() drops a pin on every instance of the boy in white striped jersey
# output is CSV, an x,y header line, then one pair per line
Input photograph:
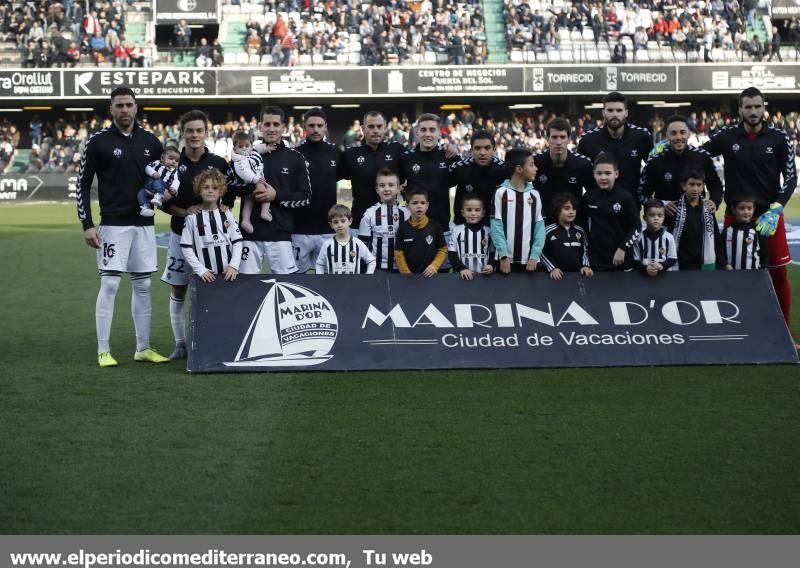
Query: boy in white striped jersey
x,y
343,254
655,250
517,222
470,243
211,242
743,248
379,224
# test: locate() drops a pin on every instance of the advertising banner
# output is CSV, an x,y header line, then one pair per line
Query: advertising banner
x,y
293,82
193,11
170,83
38,187
735,78
785,8
655,78
390,321
557,79
447,80
29,83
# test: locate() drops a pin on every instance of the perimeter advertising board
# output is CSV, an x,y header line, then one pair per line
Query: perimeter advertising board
x,y
166,82
735,78
292,82
462,79
391,321
28,83
38,187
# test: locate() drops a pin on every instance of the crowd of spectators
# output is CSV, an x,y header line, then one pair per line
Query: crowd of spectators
x,y
61,33
57,145
687,26
388,32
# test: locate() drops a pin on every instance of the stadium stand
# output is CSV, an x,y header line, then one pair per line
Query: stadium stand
x,y
663,31
43,33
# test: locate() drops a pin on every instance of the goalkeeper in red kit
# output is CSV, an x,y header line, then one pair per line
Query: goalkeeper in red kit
x,y
756,156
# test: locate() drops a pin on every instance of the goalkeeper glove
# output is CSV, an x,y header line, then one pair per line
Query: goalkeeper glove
x,y
659,148
767,224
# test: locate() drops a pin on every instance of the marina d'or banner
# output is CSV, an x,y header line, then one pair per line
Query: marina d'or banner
x,y
388,321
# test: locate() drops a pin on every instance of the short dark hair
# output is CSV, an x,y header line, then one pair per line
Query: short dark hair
x,y
560,124
517,158
373,113
653,204
744,198
339,210
122,91
170,148
482,135
416,191
315,112
271,109
693,173
191,116
472,197
606,158
750,92
615,97
561,199
675,118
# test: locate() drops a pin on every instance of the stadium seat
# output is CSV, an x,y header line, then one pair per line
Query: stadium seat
x,y
266,59
354,58
516,56
242,58
229,58
305,59
554,56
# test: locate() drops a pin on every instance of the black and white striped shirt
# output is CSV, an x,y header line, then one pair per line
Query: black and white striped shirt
x,y
519,212
337,258
378,229
744,248
248,167
168,175
656,247
211,241
471,244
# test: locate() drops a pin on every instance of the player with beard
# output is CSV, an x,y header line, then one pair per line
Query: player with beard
x,y
479,175
427,167
361,164
663,172
560,171
756,156
195,158
312,228
628,143
125,240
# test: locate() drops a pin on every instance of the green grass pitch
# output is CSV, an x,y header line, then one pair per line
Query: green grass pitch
x,y
150,449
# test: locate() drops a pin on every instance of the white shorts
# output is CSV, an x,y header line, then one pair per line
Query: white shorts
x,y
279,255
306,250
177,271
127,249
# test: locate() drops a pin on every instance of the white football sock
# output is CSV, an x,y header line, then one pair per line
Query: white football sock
x,y
104,310
177,317
141,309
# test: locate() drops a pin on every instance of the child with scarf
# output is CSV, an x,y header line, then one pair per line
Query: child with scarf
x,y
694,227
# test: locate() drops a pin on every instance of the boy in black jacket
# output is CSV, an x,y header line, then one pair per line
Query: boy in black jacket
x,y
566,247
613,218
420,248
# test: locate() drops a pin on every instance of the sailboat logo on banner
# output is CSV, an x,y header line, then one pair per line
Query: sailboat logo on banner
x,y
293,327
